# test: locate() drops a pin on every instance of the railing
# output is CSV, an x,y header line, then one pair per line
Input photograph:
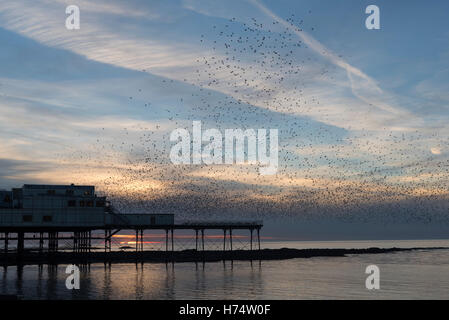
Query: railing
x,y
225,223
121,217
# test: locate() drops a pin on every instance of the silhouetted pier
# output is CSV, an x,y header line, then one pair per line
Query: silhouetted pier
x,y
49,214
82,236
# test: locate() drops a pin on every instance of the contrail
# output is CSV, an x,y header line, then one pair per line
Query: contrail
x,y
313,44
328,54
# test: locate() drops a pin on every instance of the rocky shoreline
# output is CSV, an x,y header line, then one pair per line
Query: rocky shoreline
x,y
33,258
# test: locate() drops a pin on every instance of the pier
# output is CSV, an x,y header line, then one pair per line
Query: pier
x,y
82,237
46,215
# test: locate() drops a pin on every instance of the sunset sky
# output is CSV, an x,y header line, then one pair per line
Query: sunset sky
x,y
362,114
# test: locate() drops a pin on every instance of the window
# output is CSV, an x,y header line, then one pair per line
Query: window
x,y
89,203
71,203
82,204
7,199
69,192
51,192
87,193
153,220
100,203
27,218
47,218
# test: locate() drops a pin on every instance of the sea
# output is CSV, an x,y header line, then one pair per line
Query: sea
x,y
417,274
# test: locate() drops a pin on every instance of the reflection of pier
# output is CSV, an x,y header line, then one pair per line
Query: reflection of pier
x,y
47,215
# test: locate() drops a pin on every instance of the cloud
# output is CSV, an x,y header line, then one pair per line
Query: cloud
x,y
175,60
44,21
82,104
435,150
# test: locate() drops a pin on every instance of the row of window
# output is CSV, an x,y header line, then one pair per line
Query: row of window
x,y
68,192
88,203
29,218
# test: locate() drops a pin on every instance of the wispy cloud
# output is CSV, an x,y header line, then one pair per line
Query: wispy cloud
x,y
97,105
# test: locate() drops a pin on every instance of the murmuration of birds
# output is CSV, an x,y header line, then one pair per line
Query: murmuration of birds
x,y
249,66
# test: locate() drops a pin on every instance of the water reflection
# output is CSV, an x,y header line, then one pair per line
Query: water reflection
x,y
52,278
128,281
105,294
417,274
4,279
170,283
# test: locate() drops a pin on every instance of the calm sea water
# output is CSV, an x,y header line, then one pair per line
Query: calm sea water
x,y
420,274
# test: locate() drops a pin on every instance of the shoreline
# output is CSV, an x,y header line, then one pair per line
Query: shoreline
x,y
30,258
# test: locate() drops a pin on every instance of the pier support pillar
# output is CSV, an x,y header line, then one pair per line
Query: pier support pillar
x,y
251,241
85,241
202,237
6,242
52,241
224,239
172,241
230,237
41,242
75,241
141,240
166,239
90,240
54,236
107,240
258,236
20,242
196,239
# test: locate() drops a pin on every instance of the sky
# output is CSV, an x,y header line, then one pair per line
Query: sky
x,y
362,114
